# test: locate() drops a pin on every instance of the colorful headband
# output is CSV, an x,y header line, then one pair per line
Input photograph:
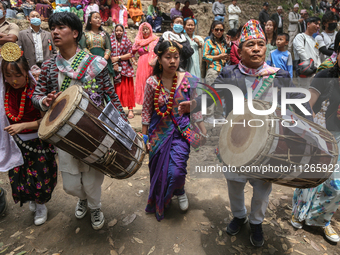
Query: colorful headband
x,y
11,52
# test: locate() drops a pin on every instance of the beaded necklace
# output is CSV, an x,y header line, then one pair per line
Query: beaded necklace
x,y
22,105
171,98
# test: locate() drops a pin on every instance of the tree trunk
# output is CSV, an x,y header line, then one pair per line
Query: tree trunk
x,y
313,2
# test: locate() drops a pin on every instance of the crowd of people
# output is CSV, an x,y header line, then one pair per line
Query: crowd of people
x,y
168,72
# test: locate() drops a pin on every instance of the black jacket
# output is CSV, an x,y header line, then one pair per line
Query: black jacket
x,y
186,52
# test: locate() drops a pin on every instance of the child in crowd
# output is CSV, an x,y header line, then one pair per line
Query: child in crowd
x,y
281,57
35,70
34,181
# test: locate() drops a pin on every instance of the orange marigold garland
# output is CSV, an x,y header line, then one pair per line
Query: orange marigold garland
x,y
21,109
171,98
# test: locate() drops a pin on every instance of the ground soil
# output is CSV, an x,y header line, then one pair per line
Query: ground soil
x,y
199,231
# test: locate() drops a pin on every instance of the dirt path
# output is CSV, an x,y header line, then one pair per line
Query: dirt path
x,y
199,231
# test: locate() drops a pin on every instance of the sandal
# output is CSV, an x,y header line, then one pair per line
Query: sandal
x,y
131,116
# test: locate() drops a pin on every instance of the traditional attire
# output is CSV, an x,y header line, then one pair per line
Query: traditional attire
x,y
64,8
105,13
154,18
194,62
187,13
76,8
36,178
119,13
135,10
97,44
123,80
169,150
186,51
10,153
145,49
90,8
316,206
57,74
45,10
244,77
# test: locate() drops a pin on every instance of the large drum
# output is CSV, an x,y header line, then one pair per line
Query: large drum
x,y
73,125
279,151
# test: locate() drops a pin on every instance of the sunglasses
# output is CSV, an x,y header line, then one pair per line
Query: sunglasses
x,y
219,29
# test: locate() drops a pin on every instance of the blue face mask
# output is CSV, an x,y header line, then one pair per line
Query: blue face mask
x,y
1,14
178,28
35,21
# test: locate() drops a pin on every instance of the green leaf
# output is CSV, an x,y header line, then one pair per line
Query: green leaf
x,y
21,253
4,250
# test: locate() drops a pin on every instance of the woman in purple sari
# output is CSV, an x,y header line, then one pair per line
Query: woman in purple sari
x,y
168,150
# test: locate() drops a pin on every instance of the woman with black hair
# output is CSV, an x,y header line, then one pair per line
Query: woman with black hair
x,y
96,41
34,181
215,52
178,38
168,149
196,43
316,206
121,53
270,30
234,38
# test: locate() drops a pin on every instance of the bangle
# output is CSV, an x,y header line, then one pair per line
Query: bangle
x,y
205,136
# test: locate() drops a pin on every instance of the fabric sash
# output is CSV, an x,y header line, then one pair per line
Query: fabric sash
x,y
75,64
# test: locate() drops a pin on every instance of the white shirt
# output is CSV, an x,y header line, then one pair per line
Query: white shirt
x,y
39,53
305,47
325,39
233,11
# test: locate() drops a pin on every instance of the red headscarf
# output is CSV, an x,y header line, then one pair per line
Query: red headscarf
x,y
140,41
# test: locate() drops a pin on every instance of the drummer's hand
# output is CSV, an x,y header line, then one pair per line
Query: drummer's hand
x,y
186,106
15,128
48,101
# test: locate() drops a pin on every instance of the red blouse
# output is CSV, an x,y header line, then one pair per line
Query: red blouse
x,y
30,113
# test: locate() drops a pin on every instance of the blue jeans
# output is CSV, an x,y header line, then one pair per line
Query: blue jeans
x,y
27,11
219,18
155,23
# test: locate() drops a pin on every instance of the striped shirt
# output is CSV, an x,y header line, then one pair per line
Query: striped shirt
x,y
210,49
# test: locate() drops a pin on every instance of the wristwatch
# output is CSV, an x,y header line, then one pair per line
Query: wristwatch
x,y
119,58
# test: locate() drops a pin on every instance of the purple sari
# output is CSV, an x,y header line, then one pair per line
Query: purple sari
x,y
168,156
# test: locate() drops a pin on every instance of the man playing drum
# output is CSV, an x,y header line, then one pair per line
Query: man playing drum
x,y
252,71
74,66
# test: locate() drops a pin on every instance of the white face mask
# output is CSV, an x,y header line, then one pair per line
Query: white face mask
x,y
1,14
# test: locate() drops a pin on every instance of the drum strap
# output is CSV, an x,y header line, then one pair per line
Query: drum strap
x,y
75,64
267,82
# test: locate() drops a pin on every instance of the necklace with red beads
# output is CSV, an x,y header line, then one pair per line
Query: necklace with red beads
x,y
171,97
21,109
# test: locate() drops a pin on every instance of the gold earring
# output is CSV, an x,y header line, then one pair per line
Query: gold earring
x,y
160,67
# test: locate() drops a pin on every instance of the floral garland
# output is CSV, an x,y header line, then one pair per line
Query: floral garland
x,y
171,98
21,109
